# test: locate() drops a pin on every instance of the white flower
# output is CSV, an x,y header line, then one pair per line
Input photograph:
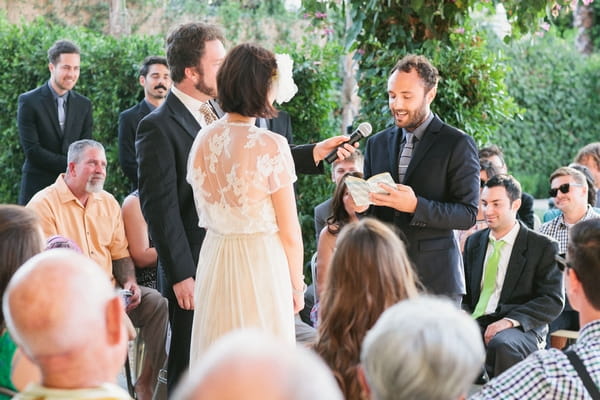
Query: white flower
x,y
283,82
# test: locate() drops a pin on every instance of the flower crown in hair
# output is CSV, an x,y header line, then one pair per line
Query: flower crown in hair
x,y
283,79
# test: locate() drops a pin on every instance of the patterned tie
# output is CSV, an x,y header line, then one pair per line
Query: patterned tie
x,y
405,156
208,113
489,278
61,112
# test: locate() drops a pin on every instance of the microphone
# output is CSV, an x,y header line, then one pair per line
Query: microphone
x,y
363,130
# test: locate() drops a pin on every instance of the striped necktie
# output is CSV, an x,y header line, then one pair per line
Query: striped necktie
x,y
208,113
405,156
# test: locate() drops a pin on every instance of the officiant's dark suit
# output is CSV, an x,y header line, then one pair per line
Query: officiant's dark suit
x,y
163,142
444,175
45,145
531,293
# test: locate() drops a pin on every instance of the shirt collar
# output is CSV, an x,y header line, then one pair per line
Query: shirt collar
x,y
56,96
420,130
510,237
151,106
192,104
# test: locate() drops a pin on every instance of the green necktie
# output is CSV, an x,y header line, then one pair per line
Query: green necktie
x,y
489,278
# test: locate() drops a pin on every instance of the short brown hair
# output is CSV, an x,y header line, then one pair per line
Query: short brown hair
x,y
61,47
583,252
185,46
426,71
591,150
244,81
577,176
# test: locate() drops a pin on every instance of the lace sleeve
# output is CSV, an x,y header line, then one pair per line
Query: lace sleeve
x,y
276,165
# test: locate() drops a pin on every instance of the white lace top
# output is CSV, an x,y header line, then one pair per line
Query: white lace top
x,y
233,169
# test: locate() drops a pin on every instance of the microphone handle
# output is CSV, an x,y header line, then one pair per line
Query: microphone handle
x,y
355,137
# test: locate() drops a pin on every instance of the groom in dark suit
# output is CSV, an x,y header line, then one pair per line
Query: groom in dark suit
x,y
437,171
514,288
164,138
50,118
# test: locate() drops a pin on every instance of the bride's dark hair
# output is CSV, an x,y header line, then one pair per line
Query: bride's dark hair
x,y
244,81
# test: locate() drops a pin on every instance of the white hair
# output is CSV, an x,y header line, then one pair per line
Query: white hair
x,y
422,348
295,373
55,302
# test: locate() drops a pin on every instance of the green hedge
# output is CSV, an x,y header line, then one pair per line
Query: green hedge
x,y
109,78
559,91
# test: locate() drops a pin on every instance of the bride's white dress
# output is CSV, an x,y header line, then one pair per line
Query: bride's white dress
x,y
243,279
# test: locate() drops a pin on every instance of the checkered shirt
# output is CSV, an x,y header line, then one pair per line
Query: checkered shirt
x,y
558,229
548,374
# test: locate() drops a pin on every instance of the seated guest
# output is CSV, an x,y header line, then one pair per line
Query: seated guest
x,y
589,155
369,272
591,193
514,288
73,329
343,211
20,239
248,364
486,171
77,207
551,374
493,154
422,348
142,252
339,168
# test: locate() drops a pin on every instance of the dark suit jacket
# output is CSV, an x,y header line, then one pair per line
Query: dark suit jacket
x,y
43,142
164,139
321,212
128,122
532,292
525,212
444,174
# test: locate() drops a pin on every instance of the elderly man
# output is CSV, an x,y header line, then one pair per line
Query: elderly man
x,y
553,374
66,317
252,365
77,207
569,189
436,355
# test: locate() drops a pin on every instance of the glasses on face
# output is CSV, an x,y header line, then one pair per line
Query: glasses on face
x,y
562,263
564,188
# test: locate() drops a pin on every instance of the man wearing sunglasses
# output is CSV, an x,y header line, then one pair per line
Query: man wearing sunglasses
x,y
550,374
568,188
513,285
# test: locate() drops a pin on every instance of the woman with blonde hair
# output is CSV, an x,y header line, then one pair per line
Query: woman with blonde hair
x,y
369,272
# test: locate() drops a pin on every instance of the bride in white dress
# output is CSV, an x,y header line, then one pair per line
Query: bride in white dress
x,y
250,266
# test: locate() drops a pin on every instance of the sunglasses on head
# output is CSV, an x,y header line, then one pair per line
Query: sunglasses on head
x,y
564,188
562,263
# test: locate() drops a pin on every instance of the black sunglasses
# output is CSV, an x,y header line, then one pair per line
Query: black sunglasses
x,y
482,183
562,263
564,188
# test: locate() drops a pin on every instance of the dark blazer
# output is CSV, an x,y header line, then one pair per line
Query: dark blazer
x,y
444,174
532,292
525,212
44,144
128,122
321,212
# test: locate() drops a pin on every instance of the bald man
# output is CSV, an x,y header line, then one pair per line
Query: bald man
x,y
63,312
252,365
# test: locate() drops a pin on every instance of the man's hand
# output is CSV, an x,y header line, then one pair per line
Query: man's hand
x,y
324,147
136,295
184,291
493,328
401,198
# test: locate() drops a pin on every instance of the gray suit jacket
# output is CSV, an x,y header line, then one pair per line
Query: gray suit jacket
x,y
532,292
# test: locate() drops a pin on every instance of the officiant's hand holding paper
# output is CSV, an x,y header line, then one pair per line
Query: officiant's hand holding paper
x,y
360,189
399,197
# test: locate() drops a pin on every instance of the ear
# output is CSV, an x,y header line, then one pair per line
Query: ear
x,y
362,380
431,94
516,205
142,80
573,289
51,67
190,73
115,325
71,169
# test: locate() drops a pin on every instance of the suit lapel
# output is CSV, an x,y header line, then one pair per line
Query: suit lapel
x,y
181,115
478,258
69,135
394,139
51,109
423,146
516,263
